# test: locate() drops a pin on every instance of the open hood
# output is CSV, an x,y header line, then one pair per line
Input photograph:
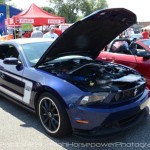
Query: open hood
x,y
90,35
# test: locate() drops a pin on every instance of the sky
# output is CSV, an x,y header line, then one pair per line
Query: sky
x,y
23,4
140,7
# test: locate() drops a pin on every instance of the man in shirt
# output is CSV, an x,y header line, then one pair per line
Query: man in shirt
x,y
145,34
51,33
37,33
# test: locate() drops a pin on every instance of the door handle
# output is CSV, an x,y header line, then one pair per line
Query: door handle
x,y
103,58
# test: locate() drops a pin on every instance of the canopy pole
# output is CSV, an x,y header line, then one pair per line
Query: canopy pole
x,y
14,31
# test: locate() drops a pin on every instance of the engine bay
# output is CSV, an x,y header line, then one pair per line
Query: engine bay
x,y
93,75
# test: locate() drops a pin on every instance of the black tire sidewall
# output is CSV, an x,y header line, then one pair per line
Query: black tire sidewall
x,y
65,126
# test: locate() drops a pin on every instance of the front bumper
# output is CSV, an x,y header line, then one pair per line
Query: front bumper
x,y
113,127
104,121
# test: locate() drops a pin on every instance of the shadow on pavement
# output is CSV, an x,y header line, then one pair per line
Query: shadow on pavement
x,y
132,138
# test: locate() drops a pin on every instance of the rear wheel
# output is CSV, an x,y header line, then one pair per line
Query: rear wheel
x,y
53,116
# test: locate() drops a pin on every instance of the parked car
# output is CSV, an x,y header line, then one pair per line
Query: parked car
x,y
136,55
63,83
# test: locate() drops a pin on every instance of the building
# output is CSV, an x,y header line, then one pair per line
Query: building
x,y
144,24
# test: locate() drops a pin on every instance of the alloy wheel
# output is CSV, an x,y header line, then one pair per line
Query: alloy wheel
x,y
49,115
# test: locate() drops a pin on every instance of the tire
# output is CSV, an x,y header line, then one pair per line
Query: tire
x,y
53,116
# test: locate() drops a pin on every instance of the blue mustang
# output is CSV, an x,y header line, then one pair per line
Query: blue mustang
x,y
63,83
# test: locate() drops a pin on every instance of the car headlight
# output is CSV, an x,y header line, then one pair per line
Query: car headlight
x,y
96,97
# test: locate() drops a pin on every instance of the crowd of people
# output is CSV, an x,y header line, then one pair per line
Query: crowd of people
x,y
143,34
51,32
126,44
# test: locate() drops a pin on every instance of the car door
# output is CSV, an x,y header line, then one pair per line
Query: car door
x,y
10,75
125,59
143,63
114,54
139,63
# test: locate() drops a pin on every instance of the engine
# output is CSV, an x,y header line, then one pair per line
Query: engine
x,y
91,75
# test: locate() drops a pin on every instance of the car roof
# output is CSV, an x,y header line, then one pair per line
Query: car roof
x,y
143,40
29,40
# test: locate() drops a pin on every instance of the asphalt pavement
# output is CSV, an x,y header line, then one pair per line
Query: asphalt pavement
x,y
21,130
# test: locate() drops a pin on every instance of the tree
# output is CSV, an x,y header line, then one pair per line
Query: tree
x,y
49,10
72,9
69,12
89,6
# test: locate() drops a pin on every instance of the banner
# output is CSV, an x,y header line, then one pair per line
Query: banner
x,y
26,21
27,27
54,21
2,19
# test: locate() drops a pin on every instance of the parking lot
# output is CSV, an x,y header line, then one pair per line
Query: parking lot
x,y
21,130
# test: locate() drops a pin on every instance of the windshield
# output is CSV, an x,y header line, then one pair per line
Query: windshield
x,y
146,42
34,51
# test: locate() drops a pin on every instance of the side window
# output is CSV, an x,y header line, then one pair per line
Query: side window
x,y
115,46
7,51
12,52
3,51
140,49
121,47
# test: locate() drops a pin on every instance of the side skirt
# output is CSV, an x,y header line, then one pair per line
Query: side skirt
x,y
18,103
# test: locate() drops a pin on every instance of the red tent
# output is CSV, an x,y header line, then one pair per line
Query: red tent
x,y
35,16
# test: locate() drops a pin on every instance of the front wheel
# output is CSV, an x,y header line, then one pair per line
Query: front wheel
x,y
53,116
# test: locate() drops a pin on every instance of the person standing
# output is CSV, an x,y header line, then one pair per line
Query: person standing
x,y
145,34
58,31
51,33
37,33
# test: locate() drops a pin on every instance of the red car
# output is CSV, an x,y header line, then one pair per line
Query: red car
x,y
134,54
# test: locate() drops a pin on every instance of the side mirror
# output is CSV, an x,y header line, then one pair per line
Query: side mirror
x,y
11,61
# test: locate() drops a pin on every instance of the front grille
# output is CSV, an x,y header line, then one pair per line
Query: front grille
x,y
129,94
126,121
